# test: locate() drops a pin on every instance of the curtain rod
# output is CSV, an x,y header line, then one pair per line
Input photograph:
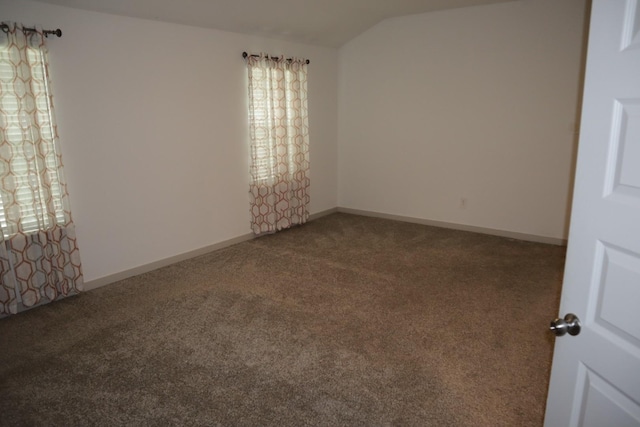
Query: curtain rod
x,y
245,54
57,32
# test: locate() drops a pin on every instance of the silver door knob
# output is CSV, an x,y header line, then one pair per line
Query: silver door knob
x,y
570,324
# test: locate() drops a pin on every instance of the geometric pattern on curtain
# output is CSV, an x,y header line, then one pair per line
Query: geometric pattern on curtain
x,y
279,143
39,257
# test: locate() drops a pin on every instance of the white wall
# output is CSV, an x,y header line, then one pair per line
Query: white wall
x,y
478,103
153,128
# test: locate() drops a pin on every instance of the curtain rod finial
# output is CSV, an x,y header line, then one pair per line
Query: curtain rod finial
x,y
57,32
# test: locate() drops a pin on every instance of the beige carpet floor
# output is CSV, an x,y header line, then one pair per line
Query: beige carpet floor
x,y
345,321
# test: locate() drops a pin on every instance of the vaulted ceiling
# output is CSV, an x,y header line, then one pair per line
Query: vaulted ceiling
x,y
321,22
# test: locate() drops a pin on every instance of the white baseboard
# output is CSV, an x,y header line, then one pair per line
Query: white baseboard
x,y
112,278
106,280
462,227
322,213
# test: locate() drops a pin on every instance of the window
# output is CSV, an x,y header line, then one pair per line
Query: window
x,y
31,194
279,133
39,255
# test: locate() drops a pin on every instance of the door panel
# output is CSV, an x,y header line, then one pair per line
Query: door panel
x,y
595,379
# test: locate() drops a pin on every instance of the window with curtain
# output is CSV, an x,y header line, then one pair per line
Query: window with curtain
x,y
279,142
39,258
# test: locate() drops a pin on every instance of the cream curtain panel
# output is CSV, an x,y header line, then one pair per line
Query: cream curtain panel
x,y
279,133
39,258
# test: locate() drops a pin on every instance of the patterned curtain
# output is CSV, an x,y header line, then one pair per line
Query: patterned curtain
x,y
39,258
279,132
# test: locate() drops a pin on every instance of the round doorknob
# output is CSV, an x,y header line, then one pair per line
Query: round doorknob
x,y
570,324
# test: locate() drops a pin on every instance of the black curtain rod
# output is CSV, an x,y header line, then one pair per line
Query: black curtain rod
x,y
57,32
245,54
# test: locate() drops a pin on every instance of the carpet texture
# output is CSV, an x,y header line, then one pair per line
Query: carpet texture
x,y
346,320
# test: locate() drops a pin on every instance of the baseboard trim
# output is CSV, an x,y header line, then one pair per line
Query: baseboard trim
x,y
322,213
112,278
462,227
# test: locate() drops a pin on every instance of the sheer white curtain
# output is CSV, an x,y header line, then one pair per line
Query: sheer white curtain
x,y
279,132
39,258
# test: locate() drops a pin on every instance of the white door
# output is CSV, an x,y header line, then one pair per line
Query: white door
x,y
595,378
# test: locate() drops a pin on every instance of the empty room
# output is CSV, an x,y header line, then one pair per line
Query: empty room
x,y
358,212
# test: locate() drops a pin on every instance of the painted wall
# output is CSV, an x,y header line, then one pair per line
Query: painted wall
x,y
479,104
152,120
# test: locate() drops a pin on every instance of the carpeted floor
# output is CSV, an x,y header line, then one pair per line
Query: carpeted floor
x,y
347,320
